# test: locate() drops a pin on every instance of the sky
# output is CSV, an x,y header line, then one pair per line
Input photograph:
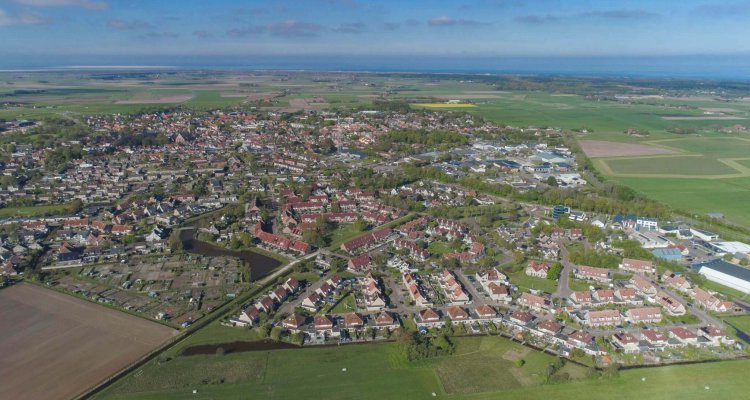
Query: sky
x,y
457,28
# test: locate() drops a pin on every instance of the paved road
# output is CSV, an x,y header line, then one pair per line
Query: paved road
x,y
563,283
286,268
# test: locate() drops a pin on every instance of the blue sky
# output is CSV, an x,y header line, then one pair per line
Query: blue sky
x,y
363,27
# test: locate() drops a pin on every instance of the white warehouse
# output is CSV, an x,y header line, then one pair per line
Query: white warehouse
x,y
726,274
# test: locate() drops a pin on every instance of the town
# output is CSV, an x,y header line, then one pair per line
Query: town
x,y
383,221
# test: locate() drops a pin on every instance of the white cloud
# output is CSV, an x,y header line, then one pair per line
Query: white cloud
x,y
21,18
87,4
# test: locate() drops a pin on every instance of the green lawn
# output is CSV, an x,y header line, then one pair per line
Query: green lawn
x,y
35,211
742,322
342,234
345,305
527,282
732,294
438,248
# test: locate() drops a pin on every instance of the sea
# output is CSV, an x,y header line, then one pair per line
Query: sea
x,y
709,67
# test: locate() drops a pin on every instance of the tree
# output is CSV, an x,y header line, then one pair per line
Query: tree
x,y
175,242
551,181
276,333
360,224
554,271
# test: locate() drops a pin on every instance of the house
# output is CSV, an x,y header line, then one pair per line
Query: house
x,y
293,322
491,275
322,323
458,296
676,281
521,318
683,335
456,314
483,311
626,295
498,292
669,303
266,304
626,341
534,302
310,303
537,269
291,285
359,264
279,294
353,321
644,315
428,318
715,335
638,266
592,273
582,298
250,315
604,296
549,327
580,339
654,338
643,286
385,320
603,318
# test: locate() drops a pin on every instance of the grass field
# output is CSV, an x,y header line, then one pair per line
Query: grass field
x,y
663,166
482,368
711,174
345,305
528,282
342,234
481,364
56,346
444,105
35,211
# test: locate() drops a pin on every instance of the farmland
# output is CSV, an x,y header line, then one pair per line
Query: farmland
x,y
56,346
714,164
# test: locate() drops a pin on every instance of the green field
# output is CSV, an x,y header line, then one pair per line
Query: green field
x,y
377,371
669,165
526,282
482,368
711,174
35,211
345,305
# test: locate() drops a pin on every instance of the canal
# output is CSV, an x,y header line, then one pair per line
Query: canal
x,y
260,265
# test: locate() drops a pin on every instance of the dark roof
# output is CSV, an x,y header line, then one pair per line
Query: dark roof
x,y
724,267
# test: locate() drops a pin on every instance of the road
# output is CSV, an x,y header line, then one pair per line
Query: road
x,y
265,280
563,283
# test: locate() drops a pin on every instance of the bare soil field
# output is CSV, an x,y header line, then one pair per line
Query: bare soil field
x,y
56,346
600,148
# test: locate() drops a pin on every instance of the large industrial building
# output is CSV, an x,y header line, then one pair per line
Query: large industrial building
x,y
726,274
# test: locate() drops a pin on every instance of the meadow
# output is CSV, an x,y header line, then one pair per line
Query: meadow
x,y
481,368
377,371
